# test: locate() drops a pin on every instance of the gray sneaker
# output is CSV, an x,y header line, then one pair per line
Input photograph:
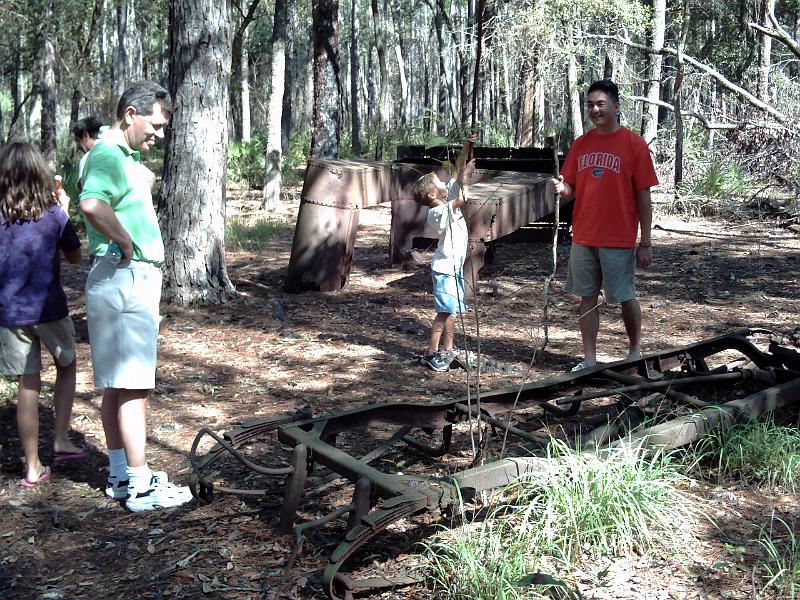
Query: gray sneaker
x,y
435,362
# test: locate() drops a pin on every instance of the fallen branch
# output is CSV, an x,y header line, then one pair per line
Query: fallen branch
x,y
705,122
779,33
724,81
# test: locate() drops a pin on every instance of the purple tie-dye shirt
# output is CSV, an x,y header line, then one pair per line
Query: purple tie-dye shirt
x,y
30,268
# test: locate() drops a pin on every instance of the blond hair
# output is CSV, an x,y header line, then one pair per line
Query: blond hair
x,y
423,188
26,185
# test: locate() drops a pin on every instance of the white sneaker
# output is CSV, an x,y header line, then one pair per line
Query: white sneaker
x,y
118,490
160,494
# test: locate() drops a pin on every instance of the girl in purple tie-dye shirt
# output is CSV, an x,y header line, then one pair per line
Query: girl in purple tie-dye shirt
x,y
34,231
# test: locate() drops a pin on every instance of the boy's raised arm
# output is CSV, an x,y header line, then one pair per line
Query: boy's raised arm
x,y
466,151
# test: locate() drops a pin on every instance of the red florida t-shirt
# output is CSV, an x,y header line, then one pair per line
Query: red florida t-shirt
x,y
607,171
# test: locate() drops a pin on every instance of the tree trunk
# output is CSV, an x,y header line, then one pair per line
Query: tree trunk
x,y
764,52
129,47
377,29
650,112
448,95
574,98
272,179
355,121
394,22
48,90
84,53
239,74
525,122
326,124
193,188
676,100
247,122
288,77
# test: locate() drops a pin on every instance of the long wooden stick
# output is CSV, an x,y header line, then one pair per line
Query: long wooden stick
x,y
556,221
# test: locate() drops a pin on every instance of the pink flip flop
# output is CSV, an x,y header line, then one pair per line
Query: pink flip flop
x,y
43,474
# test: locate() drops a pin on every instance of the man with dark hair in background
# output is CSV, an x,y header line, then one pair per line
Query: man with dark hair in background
x,y
123,292
86,132
609,172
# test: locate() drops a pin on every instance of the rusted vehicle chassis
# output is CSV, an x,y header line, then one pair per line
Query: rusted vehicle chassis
x,y
380,499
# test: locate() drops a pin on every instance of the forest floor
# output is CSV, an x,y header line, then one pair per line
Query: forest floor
x,y
268,352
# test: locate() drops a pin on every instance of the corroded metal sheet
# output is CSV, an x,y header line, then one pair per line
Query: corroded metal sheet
x,y
325,234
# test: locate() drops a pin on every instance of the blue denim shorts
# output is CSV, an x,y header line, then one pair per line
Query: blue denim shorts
x,y
448,293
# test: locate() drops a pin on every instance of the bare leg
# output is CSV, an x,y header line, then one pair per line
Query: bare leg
x,y
28,423
589,319
109,412
449,333
133,424
632,317
439,327
63,397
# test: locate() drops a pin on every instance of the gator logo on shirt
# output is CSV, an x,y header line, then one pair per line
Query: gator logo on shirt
x,y
599,162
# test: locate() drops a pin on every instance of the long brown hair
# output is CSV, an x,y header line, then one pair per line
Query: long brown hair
x,y
26,184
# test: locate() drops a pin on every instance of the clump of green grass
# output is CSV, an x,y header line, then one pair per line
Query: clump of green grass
x,y
782,564
250,233
759,452
585,505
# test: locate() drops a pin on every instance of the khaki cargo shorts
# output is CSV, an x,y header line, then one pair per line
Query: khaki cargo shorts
x,y
21,347
612,269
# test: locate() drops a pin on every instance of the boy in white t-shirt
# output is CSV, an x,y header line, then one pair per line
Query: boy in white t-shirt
x,y
444,215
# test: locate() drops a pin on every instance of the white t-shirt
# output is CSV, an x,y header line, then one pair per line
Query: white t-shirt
x,y
451,227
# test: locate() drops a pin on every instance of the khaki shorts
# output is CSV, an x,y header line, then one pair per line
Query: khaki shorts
x,y
612,269
122,313
21,347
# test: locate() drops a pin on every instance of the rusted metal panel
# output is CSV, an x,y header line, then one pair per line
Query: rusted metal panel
x,y
325,234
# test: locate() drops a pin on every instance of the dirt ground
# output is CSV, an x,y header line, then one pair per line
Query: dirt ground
x,y
268,352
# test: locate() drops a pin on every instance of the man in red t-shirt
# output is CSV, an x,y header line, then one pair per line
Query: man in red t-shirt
x,y
609,172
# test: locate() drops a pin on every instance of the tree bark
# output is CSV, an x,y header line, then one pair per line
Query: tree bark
x,y
764,52
192,198
239,72
288,78
377,30
574,98
84,53
355,120
48,90
404,100
650,113
676,100
272,178
326,120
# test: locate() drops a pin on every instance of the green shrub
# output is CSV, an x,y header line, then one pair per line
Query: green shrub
x,y
246,161
717,180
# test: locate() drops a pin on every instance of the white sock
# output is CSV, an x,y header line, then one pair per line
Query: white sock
x,y
117,463
139,477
